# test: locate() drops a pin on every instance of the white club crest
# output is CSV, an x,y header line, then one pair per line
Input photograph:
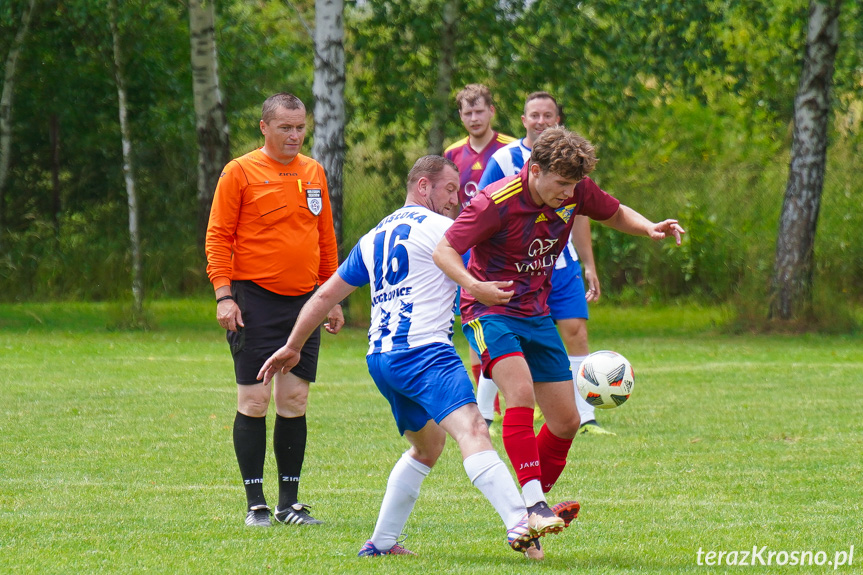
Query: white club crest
x,y
314,200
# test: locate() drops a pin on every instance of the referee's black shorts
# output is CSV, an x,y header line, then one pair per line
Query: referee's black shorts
x,y
268,318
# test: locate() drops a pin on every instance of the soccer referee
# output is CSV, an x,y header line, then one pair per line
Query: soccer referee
x,y
270,243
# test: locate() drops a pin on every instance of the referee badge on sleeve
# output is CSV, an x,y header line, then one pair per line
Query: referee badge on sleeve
x,y
315,201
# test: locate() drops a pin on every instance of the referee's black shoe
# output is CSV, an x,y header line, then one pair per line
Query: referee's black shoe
x,y
296,514
259,516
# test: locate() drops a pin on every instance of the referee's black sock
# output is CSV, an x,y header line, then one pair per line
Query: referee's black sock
x,y
289,443
250,445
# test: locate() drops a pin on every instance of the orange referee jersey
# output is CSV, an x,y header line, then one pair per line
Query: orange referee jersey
x,y
272,223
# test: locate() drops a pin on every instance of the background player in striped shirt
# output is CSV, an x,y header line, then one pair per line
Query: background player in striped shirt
x,y
568,300
413,362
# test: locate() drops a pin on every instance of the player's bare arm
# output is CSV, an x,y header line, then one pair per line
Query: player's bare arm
x,y
320,306
629,221
584,246
487,293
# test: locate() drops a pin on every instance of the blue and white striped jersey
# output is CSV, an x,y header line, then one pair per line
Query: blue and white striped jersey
x,y
413,301
507,161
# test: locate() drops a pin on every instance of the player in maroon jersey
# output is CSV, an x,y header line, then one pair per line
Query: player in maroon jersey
x,y
471,154
516,229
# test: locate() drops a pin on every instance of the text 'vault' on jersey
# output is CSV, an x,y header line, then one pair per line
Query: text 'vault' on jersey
x,y
512,238
412,300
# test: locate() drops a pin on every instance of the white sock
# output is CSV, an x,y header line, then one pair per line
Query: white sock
x,y
403,489
485,392
532,492
585,410
490,475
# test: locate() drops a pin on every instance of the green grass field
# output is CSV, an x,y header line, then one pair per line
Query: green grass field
x,y
117,455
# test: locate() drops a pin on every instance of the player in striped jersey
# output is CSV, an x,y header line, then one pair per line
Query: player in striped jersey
x,y
413,362
516,229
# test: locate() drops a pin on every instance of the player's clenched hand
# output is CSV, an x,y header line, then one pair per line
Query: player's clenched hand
x,y
335,320
492,293
283,360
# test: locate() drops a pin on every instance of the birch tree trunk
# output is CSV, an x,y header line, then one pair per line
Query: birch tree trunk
x,y
329,92
214,149
791,295
441,98
128,174
6,108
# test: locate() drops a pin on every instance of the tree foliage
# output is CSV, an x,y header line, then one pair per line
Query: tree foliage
x,y
690,104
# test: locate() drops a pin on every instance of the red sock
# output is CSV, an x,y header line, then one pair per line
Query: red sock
x,y
497,404
477,370
519,440
552,456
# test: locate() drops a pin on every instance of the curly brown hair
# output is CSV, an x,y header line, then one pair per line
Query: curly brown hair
x,y
565,153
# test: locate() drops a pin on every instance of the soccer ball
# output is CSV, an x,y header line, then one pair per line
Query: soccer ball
x,y
605,379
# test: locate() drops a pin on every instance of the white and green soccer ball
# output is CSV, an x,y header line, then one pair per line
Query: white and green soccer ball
x,y
605,379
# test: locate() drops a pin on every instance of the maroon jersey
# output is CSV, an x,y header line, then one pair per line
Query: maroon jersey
x,y
511,238
471,164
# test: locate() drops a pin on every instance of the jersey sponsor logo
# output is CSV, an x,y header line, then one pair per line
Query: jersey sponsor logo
x,y
476,166
536,267
315,201
565,213
470,190
539,246
288,174
543,257
540,218
387,296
